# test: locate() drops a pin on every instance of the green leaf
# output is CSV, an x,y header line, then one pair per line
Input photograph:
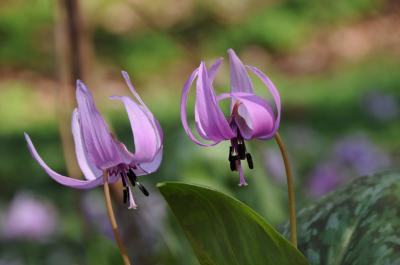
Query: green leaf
x,y
222,230
356,225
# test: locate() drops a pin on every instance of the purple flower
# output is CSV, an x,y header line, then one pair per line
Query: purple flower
x,y
29,218
353,155
99,152
360,154
381,106
250,116
325,178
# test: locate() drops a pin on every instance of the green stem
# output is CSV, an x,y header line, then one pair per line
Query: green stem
x,y
113,221
291,196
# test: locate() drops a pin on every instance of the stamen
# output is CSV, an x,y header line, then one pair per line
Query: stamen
x,y
231,156
241,147
143,189
238,152
242,151
232,164
123,179
132,177
126,194
249,160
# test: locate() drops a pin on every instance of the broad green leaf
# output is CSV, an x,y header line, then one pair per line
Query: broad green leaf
x,y
356,225
224,231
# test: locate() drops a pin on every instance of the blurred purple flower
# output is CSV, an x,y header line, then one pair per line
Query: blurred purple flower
x,y
381,106
325,178
30,218
353,155
250,116
99,152
360,154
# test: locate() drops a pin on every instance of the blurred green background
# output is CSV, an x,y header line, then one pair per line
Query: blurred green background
x,y
335,63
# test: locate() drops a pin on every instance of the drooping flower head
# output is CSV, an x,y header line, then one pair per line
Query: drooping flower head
x,y
98,152
250,115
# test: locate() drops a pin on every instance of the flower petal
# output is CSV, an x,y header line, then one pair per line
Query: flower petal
x,y
208,115
185,92
240,80
250,110
145,131
67,181
223,96
253,116
150,167
103,151
90,171
275,94
184,97
147,111
212,71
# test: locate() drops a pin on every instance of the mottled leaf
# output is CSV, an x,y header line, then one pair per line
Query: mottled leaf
x,y
224,231
356,225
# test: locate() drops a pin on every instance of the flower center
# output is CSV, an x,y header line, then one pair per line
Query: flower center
x,y
129,181
238,152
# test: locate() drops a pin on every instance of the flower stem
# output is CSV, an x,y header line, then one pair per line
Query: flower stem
x,y
113,222
291,197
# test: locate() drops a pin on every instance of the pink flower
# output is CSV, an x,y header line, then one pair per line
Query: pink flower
x,y
99,152
250,116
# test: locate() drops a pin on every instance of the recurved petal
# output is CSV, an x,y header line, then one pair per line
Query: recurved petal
x,y
253,116
145,130
67,181
185,92
208,115
89,170
240,80
212,71
277,99
147,111
184,97
103,151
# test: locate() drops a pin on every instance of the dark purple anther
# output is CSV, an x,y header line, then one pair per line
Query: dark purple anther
x,y
249,160
132,177
233,164
238,145
126,195
143,189
123,179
